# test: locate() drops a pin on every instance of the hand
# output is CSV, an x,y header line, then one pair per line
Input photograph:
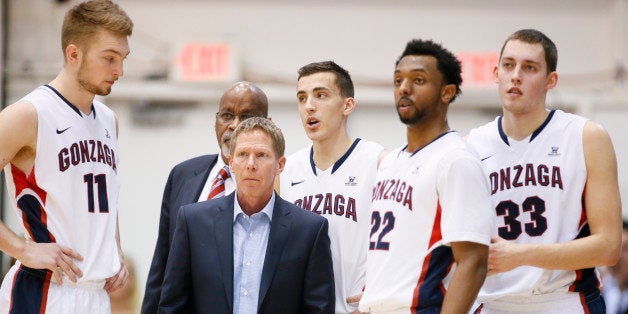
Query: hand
x,y
52,256
354,300
118,280
502,256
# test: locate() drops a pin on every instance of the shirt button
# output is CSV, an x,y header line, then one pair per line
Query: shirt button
x,y
245,292
248,263
251,234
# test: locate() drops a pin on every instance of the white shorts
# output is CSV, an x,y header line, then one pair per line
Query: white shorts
x,y
26,291
553,303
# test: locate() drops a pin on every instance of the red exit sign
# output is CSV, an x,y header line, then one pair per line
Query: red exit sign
x,y
204,62
477,68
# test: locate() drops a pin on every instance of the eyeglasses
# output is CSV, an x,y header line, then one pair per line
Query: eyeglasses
x,y
228,117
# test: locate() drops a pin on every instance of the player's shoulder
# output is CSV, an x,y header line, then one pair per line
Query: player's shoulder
x,y
455,148
101,108
298,159
370,146
565,121
300,154
19,115
484,131
594,133
21,108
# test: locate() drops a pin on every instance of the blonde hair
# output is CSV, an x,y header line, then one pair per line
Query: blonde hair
x,y
263,124
85,19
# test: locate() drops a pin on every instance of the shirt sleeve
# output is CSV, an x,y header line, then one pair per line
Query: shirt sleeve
x,y
464,199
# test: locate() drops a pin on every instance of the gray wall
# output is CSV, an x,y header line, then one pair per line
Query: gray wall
x,y
275,38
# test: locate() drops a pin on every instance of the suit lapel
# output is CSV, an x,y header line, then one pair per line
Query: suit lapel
x,y
223,233
192,187
279,232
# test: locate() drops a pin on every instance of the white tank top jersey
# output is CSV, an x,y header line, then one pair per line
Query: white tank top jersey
x,y
342,194
536,187
71,195
423,201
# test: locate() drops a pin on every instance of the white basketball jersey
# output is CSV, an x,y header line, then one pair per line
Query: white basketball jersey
x,y
342,194
423,201
71,195
536,187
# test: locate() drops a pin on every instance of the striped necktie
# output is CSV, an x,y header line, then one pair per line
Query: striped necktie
x,y
218,186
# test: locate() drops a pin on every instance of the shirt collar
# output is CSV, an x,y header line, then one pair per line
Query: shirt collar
x,y
219,162
267,210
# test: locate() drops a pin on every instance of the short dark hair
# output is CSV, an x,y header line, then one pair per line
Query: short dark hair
x,y
533,36
448,65
343,79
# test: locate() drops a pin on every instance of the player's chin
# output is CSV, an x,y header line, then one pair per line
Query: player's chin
x,y
104,91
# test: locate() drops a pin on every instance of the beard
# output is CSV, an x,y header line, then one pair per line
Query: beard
x,y
82,78
412,119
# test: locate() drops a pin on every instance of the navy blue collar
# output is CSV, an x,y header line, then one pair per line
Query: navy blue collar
x,y
339,162
426,145
536,132
73,107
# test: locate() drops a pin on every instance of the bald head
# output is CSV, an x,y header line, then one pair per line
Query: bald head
x,y
241,101
248,91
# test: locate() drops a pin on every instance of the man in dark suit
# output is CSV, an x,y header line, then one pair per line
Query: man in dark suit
x,y
191,180
250,252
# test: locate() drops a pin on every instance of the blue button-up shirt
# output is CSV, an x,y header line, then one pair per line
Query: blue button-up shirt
x,y
250,239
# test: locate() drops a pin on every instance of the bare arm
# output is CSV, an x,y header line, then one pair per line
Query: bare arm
x,y
18,143
603,209
381,157
119,279
470,272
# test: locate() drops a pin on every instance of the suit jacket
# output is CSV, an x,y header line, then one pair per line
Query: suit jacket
x,y
297,276
184,186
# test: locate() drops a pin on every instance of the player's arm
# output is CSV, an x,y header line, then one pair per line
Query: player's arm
x,y
119,279
381,157
603,209
471,268
18,141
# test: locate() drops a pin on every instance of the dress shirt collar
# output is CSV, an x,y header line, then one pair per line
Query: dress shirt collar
x,y
267,210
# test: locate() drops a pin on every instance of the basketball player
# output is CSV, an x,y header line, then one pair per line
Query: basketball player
x,y
430,224
191,181
334,176
58,147
556,204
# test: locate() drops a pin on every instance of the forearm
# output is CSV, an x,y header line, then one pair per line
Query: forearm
x,y
587,252
11,243
465,284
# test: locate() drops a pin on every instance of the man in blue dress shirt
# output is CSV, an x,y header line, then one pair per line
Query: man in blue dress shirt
x,y
251,251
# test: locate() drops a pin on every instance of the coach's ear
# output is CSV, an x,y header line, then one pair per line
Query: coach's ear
x,y
281,163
